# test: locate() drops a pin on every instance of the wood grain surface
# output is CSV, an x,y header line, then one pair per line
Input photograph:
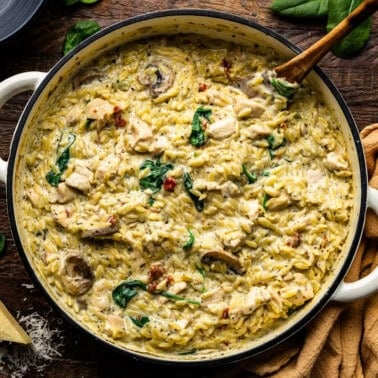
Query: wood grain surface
x,y
38,48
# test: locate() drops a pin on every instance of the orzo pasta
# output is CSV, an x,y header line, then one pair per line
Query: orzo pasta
x,y
177,202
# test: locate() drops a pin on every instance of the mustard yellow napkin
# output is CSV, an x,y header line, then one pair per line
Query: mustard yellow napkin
x,y
342,341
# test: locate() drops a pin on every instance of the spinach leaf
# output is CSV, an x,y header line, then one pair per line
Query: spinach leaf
x,y
139,321
186,352
189,244
356,39
202,272
154,180
283,87
2,242
175,297
188,185
78,32
72,2
198,137
265,200
251,176
300,8
124,292
53,177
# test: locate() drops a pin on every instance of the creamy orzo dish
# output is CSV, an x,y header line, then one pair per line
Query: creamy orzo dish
x,y
177,202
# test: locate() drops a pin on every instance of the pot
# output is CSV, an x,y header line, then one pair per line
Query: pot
x,y
216,25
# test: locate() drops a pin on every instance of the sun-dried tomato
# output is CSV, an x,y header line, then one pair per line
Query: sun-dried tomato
x,y
169,184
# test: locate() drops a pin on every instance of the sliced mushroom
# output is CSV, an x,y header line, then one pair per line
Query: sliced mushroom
x,y
86,76
228,258
76,274
243,84
158,76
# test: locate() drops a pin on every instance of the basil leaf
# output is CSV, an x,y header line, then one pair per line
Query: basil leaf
x,y
2,242
53,177
283,87
300,8
198,137
188,185
356,39
175,297
140,321
124,292
189,244
78,32
88,1
154,180
251,176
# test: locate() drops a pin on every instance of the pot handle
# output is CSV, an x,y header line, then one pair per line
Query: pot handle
x,y
11,87
349,291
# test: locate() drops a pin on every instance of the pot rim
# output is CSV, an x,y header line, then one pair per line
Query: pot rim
x,y
326,296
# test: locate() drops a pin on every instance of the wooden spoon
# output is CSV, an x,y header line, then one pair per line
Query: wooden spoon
x,y
296,69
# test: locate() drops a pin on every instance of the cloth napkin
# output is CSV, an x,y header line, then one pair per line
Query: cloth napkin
x,y
342,341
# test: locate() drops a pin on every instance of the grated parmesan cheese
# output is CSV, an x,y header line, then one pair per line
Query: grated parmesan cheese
x,y
17,359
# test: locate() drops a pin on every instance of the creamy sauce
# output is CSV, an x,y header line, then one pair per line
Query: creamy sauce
x,y
173,208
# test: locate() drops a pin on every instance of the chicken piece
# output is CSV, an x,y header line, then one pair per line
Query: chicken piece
x,y
61,215
34,198
99,110
335,162
92,230
107,168
245,305
249,108
159,145
314,176
214,301
115,326
231,260
278,203
217,98
231,239
249,208
100,298
222,128
63,194
81,178
141,135
75,273
258,131
229,189
74,115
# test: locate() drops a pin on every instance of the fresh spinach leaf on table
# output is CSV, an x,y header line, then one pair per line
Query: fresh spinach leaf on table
x,y
78,32
357,38
336,11
2,243
300,8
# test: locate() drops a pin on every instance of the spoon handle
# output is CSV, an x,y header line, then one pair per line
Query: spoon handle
x,y
298,67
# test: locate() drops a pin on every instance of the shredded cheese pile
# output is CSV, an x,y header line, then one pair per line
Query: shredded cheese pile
x,y
17,359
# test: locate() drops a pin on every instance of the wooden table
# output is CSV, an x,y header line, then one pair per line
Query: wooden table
x,y
37,49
